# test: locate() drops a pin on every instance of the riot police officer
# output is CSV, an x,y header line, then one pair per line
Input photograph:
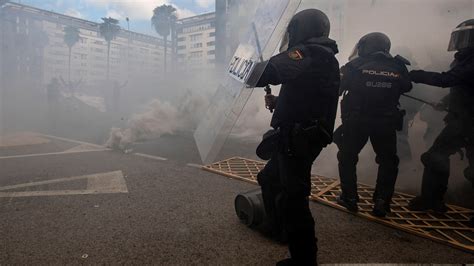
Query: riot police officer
x,y
459,130
371,84
304,115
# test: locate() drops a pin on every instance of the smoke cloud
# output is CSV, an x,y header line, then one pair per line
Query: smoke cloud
x,y
147,108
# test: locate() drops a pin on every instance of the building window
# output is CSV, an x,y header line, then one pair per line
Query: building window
x,y
195,54
212,34
196,28
181,47
211,52
211,43
195,37
180,39
197,45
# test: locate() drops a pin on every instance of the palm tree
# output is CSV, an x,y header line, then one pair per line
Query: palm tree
x,y
109,29
163,20
71,37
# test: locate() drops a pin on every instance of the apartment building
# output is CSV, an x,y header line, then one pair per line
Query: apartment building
x,y
34,51
196,42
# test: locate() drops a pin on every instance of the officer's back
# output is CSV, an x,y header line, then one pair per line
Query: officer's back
x,y
374,84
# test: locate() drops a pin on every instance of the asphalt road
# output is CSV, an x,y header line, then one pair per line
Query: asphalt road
x,y
170,213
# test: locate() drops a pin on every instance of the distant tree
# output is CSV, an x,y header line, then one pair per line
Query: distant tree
x,y
71,37
109,29
163,20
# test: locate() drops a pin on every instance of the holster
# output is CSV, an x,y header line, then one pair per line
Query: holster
x,y
400,116
269,144
304,138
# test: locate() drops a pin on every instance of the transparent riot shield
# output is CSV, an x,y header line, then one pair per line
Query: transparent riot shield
x,y
262,39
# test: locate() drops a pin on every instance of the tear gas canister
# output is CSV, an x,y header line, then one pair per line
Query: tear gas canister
x,y
250,209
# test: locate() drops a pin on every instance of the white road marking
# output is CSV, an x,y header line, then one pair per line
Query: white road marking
x,y
151,156
74,141
84,147
194,165
102,183
22,139
50,153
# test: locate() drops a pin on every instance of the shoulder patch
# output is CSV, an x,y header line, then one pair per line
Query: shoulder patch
x,y
296,54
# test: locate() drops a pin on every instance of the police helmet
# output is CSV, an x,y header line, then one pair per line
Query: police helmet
x,y
463,36
371,43
307,24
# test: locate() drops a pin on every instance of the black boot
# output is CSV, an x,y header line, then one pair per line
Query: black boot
x,y
439,207
380,208
421,204
387,207
349,204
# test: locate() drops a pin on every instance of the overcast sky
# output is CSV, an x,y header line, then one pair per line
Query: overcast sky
x,y
139,11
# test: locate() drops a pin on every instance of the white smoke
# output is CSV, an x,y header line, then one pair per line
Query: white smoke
x,y
159,118
255,118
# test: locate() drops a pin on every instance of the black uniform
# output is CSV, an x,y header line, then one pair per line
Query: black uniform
x,y
458,133
372,85
306,110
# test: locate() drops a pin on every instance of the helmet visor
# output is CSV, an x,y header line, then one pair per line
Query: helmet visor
x,y
355,53
462,38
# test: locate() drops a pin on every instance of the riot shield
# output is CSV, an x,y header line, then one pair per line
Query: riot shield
x,y
270,23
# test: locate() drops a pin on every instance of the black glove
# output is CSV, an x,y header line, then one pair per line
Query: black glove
x,y
417,76
271,101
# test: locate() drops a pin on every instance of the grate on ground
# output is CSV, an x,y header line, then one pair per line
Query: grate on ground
x,y
451,228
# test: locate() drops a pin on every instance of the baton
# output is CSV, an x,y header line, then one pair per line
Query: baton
x,y
425,102
268,90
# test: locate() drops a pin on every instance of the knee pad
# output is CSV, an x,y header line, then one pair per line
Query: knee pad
x,y
347,158
262,179
265,178
298,214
